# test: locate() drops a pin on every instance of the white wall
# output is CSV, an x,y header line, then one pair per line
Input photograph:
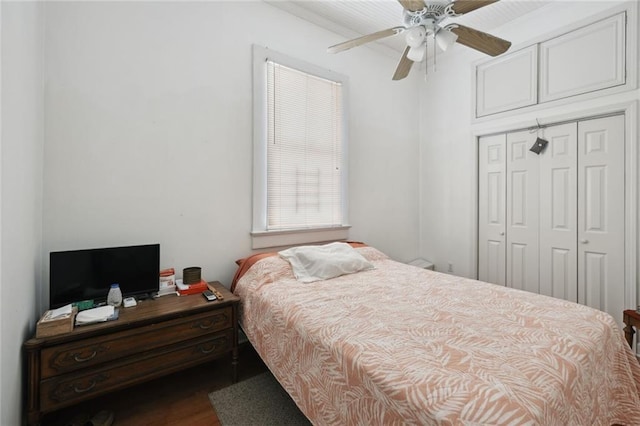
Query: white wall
x,y
149,130
21,188
447,146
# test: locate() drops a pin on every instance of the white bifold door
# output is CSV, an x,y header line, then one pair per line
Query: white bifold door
x,y
553,223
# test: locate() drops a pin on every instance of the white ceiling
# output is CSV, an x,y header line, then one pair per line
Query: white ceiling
x,y
353,18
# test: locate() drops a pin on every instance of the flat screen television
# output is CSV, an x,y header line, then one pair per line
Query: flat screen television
x,y
79,275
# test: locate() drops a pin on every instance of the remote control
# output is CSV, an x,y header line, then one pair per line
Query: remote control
x,y
208,294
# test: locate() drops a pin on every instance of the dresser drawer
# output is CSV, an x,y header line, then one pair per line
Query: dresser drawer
x,y
91,352
67,389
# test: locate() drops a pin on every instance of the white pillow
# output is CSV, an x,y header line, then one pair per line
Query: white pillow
x,y
314,263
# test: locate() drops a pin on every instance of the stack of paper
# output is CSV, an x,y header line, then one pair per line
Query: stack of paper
x,y
99,314
62,312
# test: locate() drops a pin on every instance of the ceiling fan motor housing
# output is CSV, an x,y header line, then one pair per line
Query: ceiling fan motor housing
x,y
429,17
422,19
434,12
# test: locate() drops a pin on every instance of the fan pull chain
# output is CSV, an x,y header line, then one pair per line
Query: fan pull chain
x,y
435,51
426,60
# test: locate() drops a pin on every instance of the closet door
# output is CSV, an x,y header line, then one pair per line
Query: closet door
x,y
558,216
522,212
601,214
491,209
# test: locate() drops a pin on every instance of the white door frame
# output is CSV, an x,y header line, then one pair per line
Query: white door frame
x,y
630,112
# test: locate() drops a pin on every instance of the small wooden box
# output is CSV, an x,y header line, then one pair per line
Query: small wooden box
x,y
51,327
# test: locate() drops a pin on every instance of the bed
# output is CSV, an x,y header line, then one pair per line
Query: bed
x,y
397,344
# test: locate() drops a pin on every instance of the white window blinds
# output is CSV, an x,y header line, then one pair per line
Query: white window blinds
x,y
304,149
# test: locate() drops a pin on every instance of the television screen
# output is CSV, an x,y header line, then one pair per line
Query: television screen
x,y
88,274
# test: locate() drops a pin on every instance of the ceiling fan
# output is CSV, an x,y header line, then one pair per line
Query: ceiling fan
x,y
422,19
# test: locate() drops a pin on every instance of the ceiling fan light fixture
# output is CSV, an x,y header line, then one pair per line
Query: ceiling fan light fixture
x,y
415,36
416,54
422,19
445,39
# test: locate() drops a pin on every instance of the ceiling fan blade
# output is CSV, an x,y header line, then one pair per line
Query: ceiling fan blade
x,y
412,5
480,41
404,66
461,7
340,47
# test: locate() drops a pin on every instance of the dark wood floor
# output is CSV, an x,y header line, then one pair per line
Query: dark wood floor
x,y
176,399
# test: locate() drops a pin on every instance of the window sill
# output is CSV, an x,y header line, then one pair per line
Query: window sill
x,y
290,237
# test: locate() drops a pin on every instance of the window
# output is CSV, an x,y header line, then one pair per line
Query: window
x,y
299,152
304,149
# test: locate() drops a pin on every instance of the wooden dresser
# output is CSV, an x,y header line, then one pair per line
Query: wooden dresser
x,y
154,338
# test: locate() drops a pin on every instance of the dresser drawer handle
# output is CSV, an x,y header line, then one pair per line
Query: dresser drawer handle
x,y
78,358
214,345
207,324
92,385
67,391
64,360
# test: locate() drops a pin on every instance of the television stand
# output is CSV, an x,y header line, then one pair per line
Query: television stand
x,y
152,339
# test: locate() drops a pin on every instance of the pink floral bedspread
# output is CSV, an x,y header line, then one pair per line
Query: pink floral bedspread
x,y
403,345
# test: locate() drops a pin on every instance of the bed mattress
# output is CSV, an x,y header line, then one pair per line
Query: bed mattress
x,y
402,345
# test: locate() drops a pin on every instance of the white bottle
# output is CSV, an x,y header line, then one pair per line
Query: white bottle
x,y
114,298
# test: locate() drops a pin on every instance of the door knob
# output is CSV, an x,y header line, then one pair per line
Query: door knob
x,y
584,241
502,233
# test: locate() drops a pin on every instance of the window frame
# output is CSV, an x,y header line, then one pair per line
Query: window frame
x,y
261,237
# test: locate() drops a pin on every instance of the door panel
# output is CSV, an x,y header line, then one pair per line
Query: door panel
x,y
595,267
563,274
558,217
494,272
522,212
590,58
601,214
519,68
491,209
595,179
517,258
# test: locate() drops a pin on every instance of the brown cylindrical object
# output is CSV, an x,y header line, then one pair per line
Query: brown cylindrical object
x,y
191,275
